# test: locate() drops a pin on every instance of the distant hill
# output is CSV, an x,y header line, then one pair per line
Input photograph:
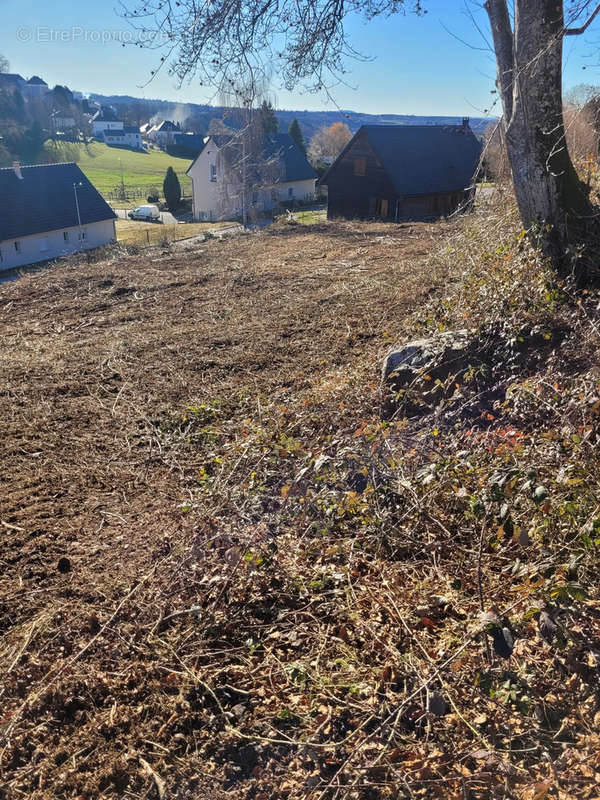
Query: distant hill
x,y
313,120
310,121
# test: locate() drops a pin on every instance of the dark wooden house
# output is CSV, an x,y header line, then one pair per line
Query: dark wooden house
x,y
400,172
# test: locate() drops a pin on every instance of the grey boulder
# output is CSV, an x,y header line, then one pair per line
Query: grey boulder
x,y
422,364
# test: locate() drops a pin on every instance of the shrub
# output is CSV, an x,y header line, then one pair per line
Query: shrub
x,y
172,189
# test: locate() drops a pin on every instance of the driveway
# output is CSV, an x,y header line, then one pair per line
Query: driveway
x,y
166,217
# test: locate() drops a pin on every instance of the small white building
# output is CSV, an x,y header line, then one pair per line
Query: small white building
x,y
127,136
291,181
105,120
48,211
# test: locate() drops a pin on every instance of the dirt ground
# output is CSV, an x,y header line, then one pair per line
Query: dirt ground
x,y
123,383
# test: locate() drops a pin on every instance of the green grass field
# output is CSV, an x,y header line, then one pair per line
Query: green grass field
x,y
141,170
314,216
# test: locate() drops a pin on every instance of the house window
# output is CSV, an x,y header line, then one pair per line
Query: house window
x,y
18,247
360,166
81,235
274,195
66,236
291,191
381,209
43,244
213,172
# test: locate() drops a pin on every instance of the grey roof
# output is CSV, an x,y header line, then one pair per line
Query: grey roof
x,y
189,139
11,77
295,163
44,200
167,125
105,115
423,159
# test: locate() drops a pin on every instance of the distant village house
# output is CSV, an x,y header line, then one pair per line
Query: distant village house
x,y
108,128
35,88
61,121
163,133
293,181
400,172
105,120
48,211
11,82
126,136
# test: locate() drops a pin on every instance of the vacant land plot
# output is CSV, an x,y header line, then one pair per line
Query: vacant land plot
x,y
224,575
124,385
102,165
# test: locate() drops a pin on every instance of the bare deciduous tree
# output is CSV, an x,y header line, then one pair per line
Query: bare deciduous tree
x,y
249,168
219,41
528,51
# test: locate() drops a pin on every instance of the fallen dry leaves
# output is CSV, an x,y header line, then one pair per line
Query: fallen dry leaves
x,y
271,592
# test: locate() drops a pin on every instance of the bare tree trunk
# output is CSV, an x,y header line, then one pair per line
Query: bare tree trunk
x,y
529,57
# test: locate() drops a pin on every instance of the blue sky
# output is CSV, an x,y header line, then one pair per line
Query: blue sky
x,y
421,66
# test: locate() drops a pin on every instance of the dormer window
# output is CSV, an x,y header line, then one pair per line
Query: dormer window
x,y
213,172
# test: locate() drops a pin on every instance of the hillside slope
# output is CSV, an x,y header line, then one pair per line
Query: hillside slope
x,y
102,164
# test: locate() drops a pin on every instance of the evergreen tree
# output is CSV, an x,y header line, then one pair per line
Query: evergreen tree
x,y
172,189
268,120
295,131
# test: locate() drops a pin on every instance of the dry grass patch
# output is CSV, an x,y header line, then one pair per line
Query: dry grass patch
x,y
134,232
127,385
226,576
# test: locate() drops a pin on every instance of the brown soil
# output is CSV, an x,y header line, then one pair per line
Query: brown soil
x,y
111,374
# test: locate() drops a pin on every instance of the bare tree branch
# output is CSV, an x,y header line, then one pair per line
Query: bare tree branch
x,y
302,42
582,28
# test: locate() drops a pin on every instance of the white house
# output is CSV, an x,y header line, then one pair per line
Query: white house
x,y
105,120
163,133
62,121
214,198
48,211
128,136
35,88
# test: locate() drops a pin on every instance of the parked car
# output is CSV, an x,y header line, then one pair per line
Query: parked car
x,y
145,213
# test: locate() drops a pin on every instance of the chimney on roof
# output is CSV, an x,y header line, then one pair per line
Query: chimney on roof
x,y
17,169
